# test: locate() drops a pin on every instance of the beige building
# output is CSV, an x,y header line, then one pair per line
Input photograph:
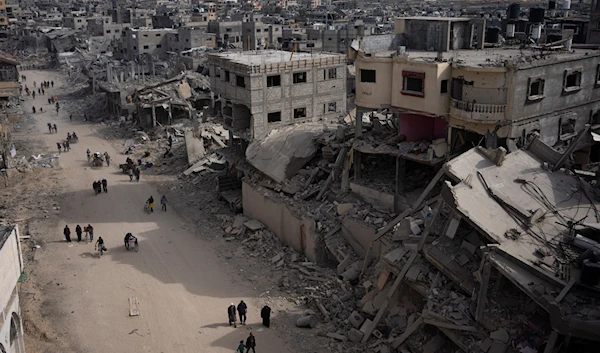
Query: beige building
x,y
456,96
11,267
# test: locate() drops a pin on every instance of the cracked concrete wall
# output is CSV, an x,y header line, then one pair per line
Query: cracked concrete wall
x,y
293,230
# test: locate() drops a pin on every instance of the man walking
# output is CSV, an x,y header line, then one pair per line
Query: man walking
x,y
170,141
151,205
163,202
67,233
242,308
137,174
90,231
105,185
231,315
131,174
251,343
78,231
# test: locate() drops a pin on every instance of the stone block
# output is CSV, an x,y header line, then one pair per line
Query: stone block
x,y
365,326
355,335
356,319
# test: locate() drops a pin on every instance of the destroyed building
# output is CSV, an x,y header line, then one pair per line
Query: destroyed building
x,y
144,41
261,91
446,100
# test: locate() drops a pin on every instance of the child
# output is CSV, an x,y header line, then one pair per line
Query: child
x,y
241,347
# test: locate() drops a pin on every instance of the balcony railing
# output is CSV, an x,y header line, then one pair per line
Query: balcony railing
x,y
477,112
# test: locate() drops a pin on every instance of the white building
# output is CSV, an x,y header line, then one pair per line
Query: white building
x,y
11,266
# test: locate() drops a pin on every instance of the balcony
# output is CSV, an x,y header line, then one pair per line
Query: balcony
x,y
477,104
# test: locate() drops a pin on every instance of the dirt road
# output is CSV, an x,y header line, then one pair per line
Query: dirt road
x,y
183,288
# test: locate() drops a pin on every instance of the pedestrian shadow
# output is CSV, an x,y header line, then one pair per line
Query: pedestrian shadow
x,y
89,255
219,324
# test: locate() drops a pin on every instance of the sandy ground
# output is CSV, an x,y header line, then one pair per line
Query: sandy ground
x,y
182,286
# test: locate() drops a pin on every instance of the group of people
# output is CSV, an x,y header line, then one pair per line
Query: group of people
x,y
78,230
64,145
242,309
99,186
134,171
51,127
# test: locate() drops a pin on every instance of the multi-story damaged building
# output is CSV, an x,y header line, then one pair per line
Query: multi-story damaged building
x,y
446,96
260,91
228,33
142,41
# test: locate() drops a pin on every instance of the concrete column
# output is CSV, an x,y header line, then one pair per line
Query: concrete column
x,y
153,115
357,161
400,174
358,122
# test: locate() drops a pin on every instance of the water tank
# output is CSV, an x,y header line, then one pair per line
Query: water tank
x,y
514,11
551,4
567,4
536,15
492,35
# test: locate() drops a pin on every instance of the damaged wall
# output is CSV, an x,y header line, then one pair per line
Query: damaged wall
x,y
359,237
299,233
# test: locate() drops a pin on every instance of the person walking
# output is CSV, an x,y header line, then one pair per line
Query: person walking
x,y
100,245
265,314
33,109
67,233
170,141
71,117
231,315
130,174
251,343
163,203
90,230
52,84
242,308
89,154
59,147
95,186
55,129
43,92
151,203
33,95
49,127
78,232
68,145
105,185
137,174
240,348
64,145
107,157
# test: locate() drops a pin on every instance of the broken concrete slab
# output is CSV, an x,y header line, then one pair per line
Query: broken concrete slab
x,y
194,147
500,336
239,221
355,335
498,347
366,326
254,225
285,151
276,258
343,208
337,336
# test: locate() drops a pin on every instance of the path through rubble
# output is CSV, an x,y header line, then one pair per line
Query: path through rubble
x,y
182,287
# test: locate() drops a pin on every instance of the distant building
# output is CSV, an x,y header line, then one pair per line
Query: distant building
x,y
11,267
76,23
9,76
142,41
593,35
260,91
228,33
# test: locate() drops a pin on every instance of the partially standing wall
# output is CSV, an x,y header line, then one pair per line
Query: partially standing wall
x,y
293,230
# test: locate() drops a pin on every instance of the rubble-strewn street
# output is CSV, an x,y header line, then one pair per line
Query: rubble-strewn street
x,y
299,176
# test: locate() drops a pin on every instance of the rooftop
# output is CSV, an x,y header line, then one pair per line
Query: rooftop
x,y
271,57
492,57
